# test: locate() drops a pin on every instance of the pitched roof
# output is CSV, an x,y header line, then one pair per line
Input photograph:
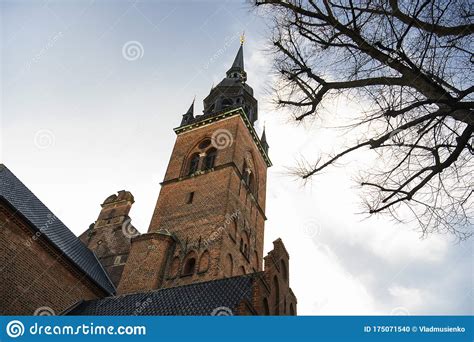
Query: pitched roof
x,y
199,299
41,219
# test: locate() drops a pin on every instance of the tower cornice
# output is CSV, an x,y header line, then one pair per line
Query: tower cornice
x,y
206,120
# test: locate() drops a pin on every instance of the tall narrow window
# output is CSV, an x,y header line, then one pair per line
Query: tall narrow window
x,y
245,172
189,266
190,198
266,308
229,266
193,164
284,270
276,294
210,159
251,183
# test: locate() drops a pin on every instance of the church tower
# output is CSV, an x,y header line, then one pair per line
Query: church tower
x,y
209,218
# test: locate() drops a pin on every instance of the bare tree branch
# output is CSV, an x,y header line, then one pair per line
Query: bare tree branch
x,y
411,64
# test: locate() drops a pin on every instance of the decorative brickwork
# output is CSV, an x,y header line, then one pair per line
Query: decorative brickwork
x,y
109,237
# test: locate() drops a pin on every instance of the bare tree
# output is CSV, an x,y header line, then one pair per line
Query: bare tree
x,y
411,62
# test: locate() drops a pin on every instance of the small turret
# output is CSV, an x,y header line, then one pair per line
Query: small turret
x,y
263,141
189,116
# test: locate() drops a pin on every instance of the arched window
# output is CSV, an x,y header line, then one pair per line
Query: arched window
x,y
245,243
229,266
227,103
292,310
210,159
256,261
251,182
205,143
248,177
284,270
193,164
204,262
276,296
174,267
245,172
266,308
189,266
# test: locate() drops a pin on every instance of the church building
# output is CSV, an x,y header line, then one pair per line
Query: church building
x,y
203,251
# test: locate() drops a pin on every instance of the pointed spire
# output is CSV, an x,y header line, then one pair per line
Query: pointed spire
x,y
191,108
189,116
237,71
239,59
263,141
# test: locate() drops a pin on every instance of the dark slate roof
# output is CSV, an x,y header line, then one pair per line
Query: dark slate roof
x,y
199,299
15,193
239,59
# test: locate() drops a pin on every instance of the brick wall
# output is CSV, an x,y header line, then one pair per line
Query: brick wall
x,y
223,211
34,273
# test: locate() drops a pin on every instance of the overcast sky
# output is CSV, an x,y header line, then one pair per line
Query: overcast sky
x,y
83,116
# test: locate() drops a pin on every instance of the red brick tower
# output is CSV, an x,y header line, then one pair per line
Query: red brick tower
x,y
212,200
213,195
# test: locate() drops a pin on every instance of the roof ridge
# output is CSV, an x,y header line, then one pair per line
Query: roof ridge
x,y
42,219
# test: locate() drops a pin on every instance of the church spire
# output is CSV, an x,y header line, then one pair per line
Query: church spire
x,y
233,91
239,60
237,69
189,116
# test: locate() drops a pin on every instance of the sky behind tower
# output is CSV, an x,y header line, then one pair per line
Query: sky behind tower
x,y
91,91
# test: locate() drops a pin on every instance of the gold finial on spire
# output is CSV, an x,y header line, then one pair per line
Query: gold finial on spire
x,y
242,38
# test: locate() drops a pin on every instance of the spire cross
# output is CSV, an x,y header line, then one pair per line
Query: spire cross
x,y
242,38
